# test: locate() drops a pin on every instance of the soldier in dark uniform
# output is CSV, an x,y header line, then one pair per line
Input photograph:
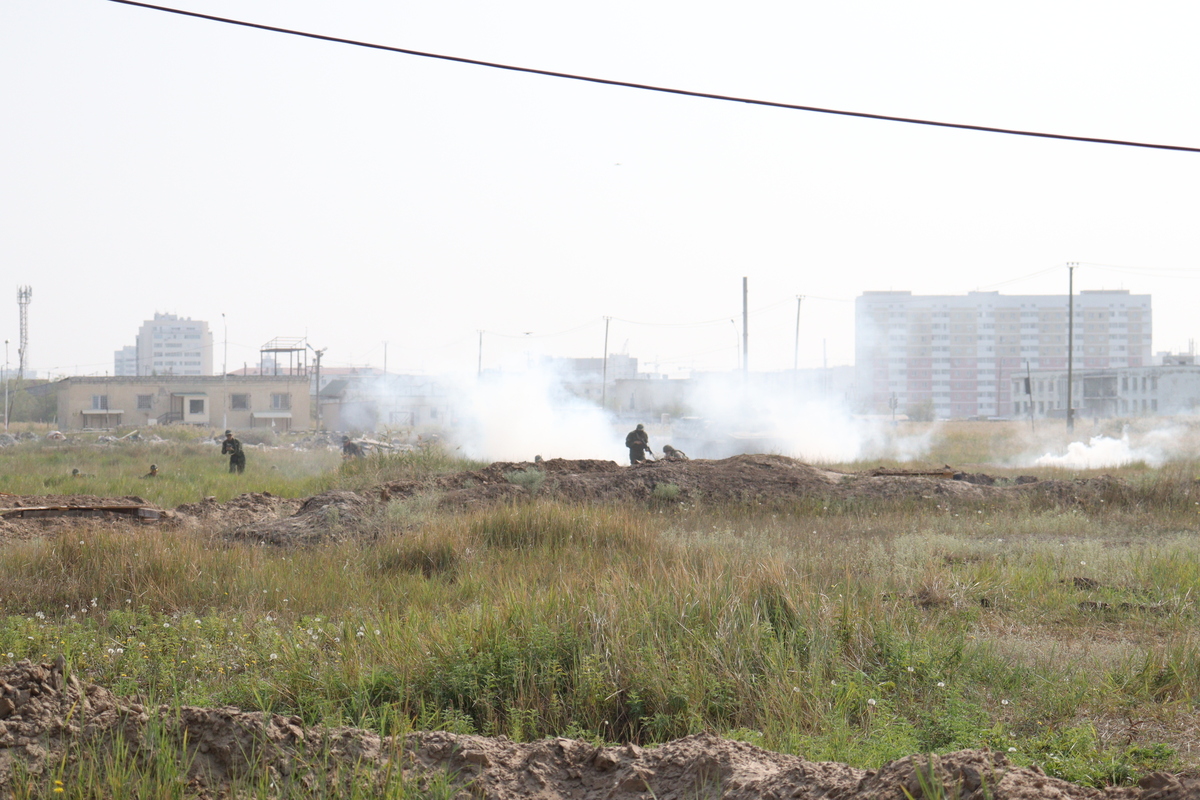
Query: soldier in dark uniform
x,y
153,473
351,449
233,448
671,454
638,442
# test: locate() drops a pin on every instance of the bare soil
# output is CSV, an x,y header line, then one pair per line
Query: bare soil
x,y
48,719
770,480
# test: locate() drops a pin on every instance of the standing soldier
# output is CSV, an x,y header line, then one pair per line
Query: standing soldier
x,y
237,457
638,442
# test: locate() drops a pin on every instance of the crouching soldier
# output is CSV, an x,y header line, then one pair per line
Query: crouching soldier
x,y
671,454
351,449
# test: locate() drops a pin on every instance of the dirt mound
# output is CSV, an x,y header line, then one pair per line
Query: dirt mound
x,y
328,517
47,720
756,479
17,527
241,510
743,478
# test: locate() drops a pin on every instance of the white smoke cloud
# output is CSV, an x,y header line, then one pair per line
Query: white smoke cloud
x,y
802,425
513,417
1154,448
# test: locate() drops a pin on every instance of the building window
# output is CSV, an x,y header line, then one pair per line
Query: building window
x,y
145,401
99,402
281,402
239,402
196,406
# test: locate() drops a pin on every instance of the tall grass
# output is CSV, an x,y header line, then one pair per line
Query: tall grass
x,y
860,637
861,629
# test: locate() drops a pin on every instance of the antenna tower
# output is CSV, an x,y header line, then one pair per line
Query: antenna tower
x,y
24,294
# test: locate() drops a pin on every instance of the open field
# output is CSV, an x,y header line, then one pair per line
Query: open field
x,y
861,623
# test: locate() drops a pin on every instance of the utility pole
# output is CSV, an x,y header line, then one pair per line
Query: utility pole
x,y
604,368
796,357
1029,393
1070,343
225,373
745,328
318,354
6,385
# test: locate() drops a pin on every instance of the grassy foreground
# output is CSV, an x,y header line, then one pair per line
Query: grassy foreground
x,y
857,632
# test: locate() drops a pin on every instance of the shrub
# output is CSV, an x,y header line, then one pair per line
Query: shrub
x,y
667,492
530,480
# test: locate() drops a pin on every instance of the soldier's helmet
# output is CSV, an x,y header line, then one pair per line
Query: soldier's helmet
x,y
668,449
229,433
345,438
641,427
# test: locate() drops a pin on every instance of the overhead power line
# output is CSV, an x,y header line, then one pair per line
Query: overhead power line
x,y
663,89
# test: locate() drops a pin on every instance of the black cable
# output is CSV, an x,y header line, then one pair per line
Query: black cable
x,y
663,89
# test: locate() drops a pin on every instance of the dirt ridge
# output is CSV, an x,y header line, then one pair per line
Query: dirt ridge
x,y
47,716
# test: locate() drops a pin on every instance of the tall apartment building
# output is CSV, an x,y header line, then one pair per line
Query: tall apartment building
x,y
125,361
959,353
168,345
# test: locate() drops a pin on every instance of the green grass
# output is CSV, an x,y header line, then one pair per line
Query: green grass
x,y
860,631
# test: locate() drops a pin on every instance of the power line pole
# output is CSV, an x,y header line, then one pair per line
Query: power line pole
x,y
604,368
745,328
225,373
318,354
796,357
1070,343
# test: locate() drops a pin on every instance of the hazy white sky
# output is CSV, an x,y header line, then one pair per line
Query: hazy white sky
x,y
151,162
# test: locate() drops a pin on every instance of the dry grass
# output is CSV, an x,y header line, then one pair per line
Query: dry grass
x,y
860,632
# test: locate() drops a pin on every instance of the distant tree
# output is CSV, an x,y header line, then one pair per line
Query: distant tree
x,y
920,412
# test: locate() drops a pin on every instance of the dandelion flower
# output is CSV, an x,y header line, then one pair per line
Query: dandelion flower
x,y
274,656
1012,749
871,702
1003,702
941,684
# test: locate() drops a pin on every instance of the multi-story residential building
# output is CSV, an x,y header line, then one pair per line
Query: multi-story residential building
x,y
218,401
168,345
959,353
125,360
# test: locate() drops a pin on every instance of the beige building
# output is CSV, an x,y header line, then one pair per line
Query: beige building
x,y
280,402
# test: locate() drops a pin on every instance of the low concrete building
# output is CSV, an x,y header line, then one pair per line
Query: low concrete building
x,y
279,402
382,402
1128,392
